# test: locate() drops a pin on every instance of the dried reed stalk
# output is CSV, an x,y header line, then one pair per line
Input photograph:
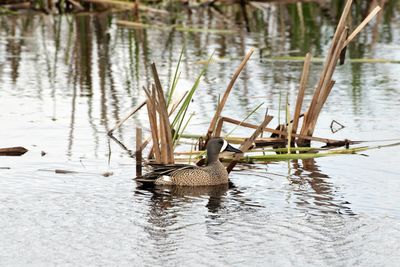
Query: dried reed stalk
x,y
302,88
151,111
362,25
218,129
120,122
314,110
249,142
165,125
327,72
325,84
226,95
322,101
283,133
176,105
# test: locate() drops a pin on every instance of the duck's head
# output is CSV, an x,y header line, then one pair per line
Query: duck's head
x,y
216,146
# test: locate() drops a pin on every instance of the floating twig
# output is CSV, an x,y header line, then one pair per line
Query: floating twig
x,y
13,151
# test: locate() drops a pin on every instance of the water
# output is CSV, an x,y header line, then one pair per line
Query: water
x,y
62,89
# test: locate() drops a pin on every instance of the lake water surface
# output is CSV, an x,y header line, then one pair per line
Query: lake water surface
x,y
66,80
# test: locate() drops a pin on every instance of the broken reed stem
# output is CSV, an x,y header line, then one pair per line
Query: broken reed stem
x,y
315,110
302,88
218,129
167,149
151,111
362,25
325,76
249,142
133,111
226,95
321,103
283,133
139,137
339,42
175,106
322,89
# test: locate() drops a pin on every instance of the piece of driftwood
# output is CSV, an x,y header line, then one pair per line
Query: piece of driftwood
x,y
13,151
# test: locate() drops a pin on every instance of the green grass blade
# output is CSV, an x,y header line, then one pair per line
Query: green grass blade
x,y
183,129
180,116
175,80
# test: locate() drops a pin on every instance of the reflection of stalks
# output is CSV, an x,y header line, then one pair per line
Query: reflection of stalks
x,y
130,153
138,152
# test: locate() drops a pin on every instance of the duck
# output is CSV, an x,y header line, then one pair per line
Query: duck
x,y
214,173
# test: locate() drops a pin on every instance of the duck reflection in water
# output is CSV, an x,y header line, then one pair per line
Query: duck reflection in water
x,y
168,182
164,197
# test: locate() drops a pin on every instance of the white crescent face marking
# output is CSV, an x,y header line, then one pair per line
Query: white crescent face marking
x,y
223,146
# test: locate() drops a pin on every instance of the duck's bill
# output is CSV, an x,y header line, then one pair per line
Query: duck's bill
x,y
230,148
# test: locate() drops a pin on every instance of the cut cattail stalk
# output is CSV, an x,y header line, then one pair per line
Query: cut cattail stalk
x,y
362,25
133,111
151,110
167,147
339,42
314,110
226,95
300,96
218,129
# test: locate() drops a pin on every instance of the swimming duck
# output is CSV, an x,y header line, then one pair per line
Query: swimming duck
x,y
214,173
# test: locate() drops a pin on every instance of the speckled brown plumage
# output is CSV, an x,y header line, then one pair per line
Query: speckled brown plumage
x,y
187,175
212,174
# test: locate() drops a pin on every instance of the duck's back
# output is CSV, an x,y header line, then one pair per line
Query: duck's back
x,y
213,174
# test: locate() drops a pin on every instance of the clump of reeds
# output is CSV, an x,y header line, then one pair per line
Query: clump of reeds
x,y
337,50
166,135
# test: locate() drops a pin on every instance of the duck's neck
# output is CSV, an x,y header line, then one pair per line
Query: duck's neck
x,y
212,158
